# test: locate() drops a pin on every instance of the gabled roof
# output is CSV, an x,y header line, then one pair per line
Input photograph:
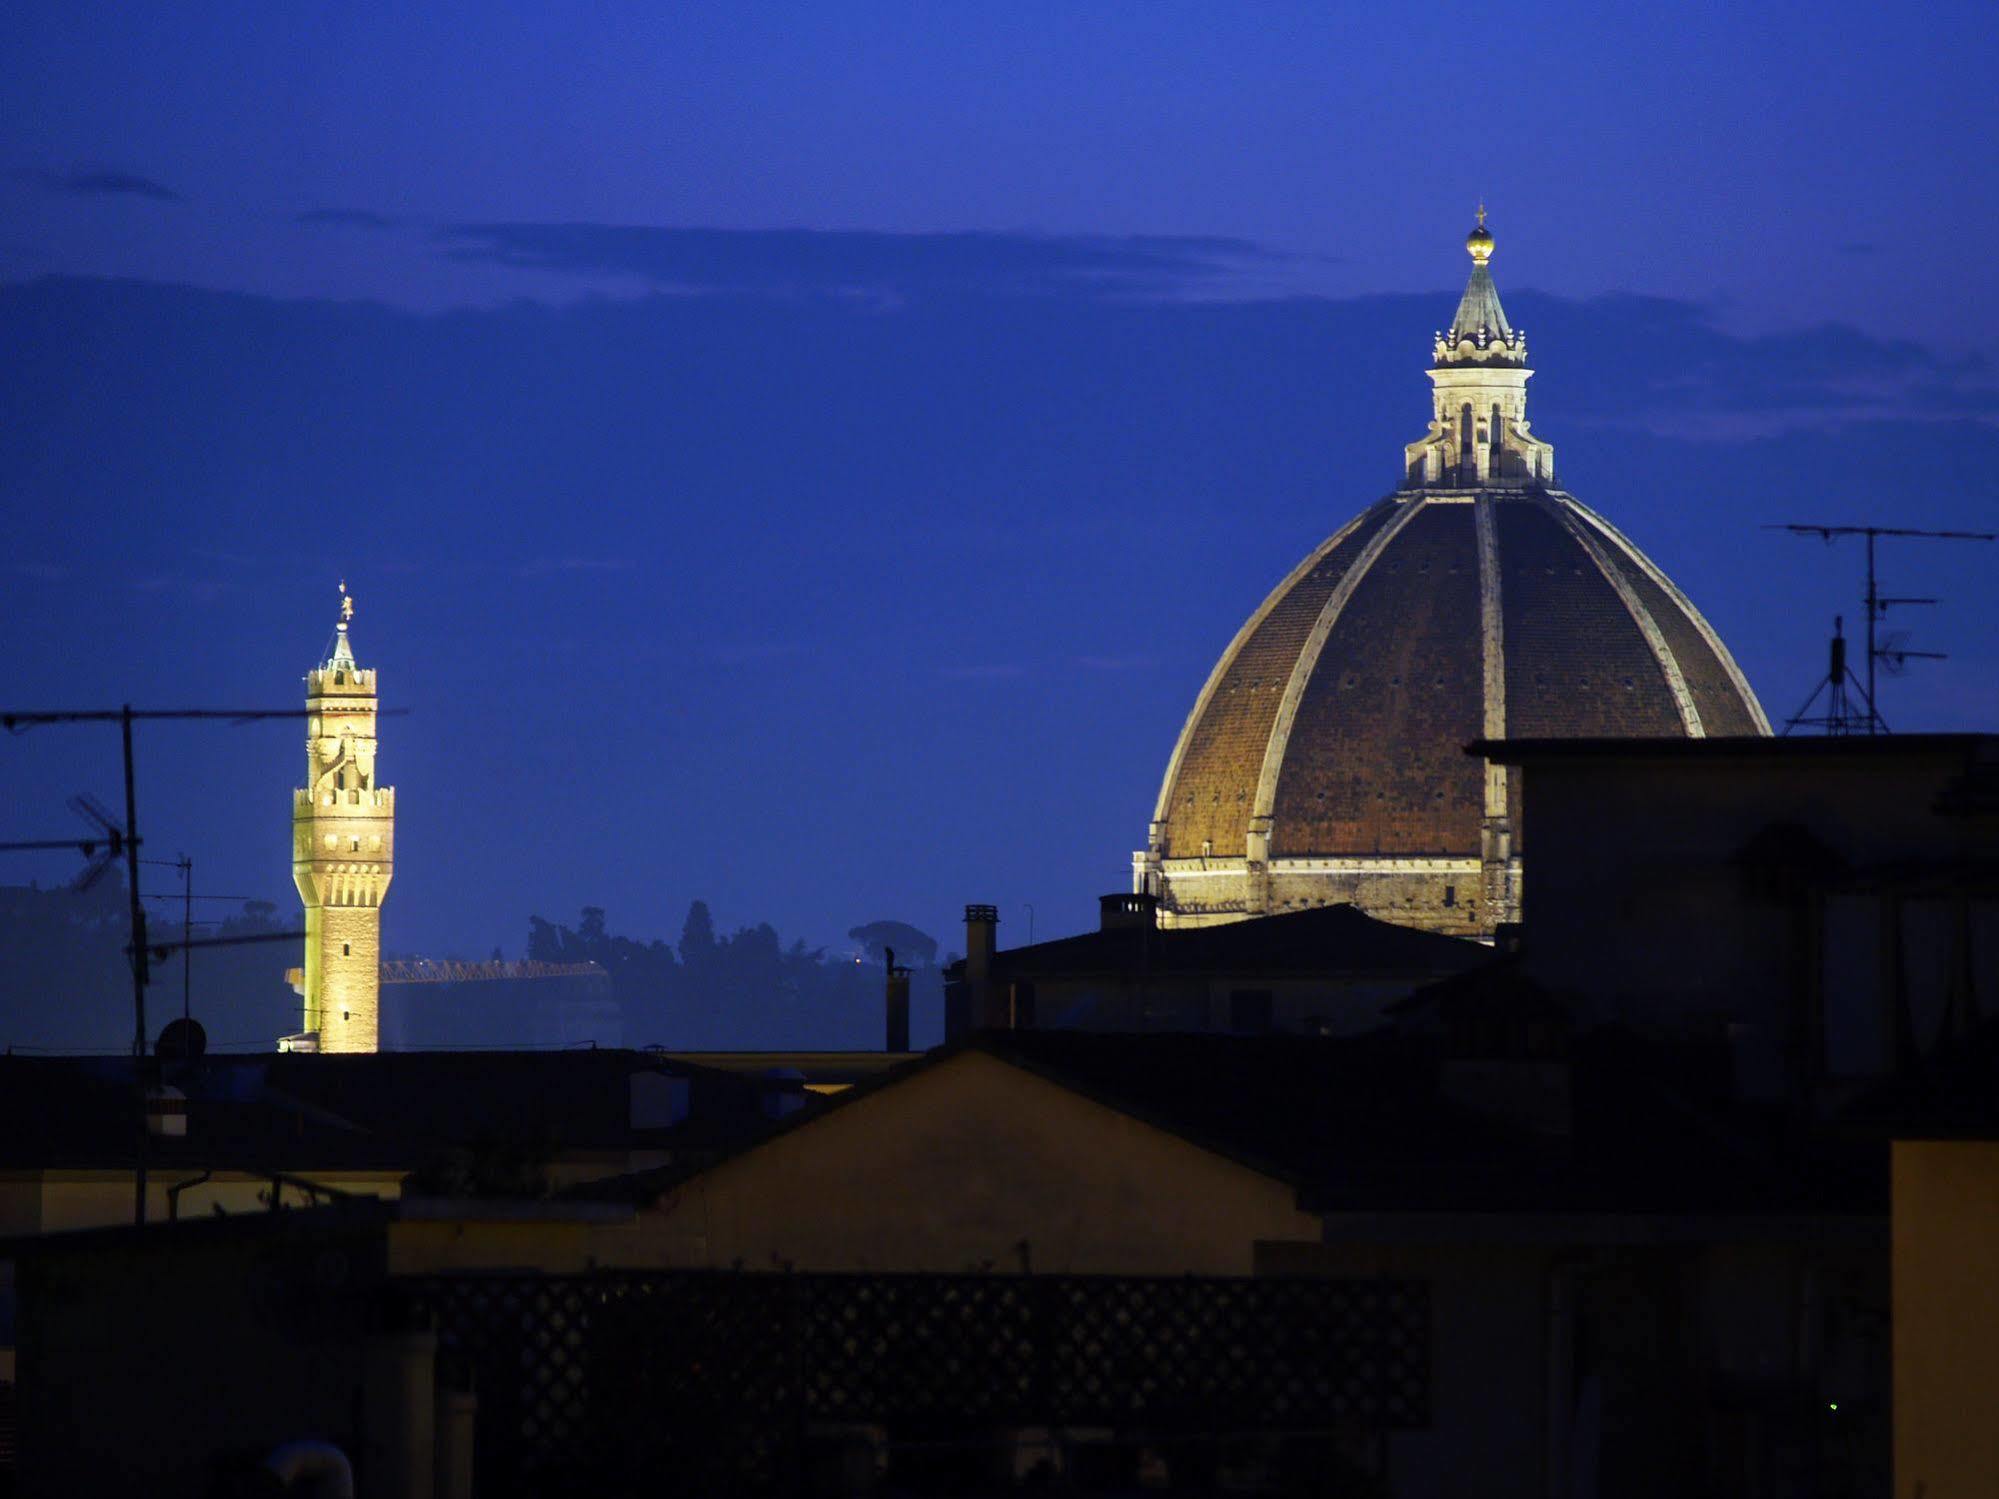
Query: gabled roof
x,y
81,1113
1371,1125
1500,990
575,1100
1322,941
1982,748
387,1111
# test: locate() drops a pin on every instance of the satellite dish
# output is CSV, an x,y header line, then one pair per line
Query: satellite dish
x,y
182,1040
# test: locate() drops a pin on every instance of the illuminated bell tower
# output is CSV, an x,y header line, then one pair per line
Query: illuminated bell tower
x,y
343,847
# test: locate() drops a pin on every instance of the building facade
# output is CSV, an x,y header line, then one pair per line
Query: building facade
x,y
1830,903
1323,763
343,853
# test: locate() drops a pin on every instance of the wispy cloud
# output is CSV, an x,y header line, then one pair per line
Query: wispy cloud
x,y
1115,663
199,590
543,567
228,559
793,261
97,182
741,653
348,218
1702,382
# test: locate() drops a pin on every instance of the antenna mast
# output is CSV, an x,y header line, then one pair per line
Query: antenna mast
x,y
1842,718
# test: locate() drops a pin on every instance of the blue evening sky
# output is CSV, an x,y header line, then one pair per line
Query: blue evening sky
x,y
808,456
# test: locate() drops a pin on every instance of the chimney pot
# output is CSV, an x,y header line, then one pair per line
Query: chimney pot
x,y
896,1003
981,938
1127,911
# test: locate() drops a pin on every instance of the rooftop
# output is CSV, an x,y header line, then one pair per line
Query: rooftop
x,y
387,1111
1373,1124
1736,746
1321,940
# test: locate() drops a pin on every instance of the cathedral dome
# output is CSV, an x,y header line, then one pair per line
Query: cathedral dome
x,y
1324,760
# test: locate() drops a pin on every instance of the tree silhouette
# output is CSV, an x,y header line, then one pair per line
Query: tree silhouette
x,y
748,989
697,934
917,948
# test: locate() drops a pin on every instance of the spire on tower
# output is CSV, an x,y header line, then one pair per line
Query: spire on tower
x,y
343,653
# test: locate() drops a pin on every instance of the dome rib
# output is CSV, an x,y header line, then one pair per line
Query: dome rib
x,y
1170,786
1492,648
1760,723
1669,666
1265,805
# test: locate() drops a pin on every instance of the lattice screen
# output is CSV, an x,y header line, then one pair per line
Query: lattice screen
x,y
711,1371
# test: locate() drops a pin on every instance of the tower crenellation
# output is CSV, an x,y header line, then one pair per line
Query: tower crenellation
x,y
343,852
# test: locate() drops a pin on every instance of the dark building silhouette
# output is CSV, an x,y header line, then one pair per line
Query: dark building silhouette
x,y
1323,971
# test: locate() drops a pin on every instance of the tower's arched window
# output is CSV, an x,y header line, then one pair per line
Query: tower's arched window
x,y
1498,442
1465,437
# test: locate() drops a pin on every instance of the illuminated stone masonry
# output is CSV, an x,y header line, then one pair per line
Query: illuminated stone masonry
x,y
1324,759
343,854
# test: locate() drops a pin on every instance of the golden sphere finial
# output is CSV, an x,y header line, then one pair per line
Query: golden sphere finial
x,y
1479,241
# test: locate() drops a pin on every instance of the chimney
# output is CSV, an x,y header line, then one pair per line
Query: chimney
x,y
897,1002
1127,912
981,937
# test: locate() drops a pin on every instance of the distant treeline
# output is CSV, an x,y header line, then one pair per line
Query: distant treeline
x,y
748,989
65,984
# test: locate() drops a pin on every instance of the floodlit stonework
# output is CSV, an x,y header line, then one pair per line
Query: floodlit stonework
x,y
1324,759
343,850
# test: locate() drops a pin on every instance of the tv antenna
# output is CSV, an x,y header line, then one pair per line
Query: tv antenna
x,y
1848,708
123,837
1843,715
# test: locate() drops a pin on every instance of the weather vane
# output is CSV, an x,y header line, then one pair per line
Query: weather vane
x,y
1481,213
346,603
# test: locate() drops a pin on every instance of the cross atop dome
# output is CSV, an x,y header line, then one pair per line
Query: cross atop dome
x,y
1479,242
